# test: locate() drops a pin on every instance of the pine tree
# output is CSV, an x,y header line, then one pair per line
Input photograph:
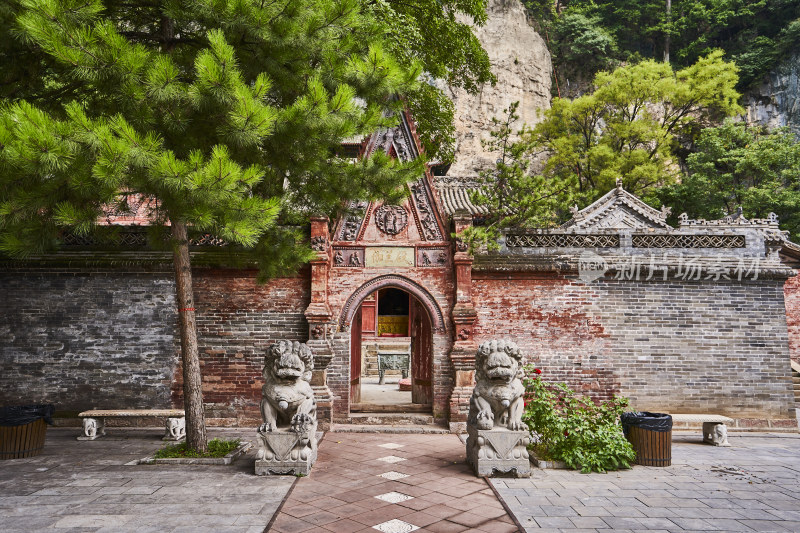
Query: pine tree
x,y
228,114
510,194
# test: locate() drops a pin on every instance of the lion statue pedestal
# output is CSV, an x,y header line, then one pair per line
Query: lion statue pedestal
x,y
497,438
288,436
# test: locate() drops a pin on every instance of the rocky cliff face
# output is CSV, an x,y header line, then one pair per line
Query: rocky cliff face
x,y
521,62
777,102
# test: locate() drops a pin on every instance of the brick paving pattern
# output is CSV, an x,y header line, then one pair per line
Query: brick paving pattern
x,y
752,486
87,486
358,477
396,482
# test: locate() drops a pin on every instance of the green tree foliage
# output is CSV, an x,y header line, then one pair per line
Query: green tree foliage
x,y
580,41
226,113
736,165
756,35
438,35
634,126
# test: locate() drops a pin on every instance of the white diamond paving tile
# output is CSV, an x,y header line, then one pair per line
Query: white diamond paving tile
x,y
392,475
391,459
391,445
394,497
395,526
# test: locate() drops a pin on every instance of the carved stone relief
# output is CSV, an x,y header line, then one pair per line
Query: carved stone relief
x,y
319,243
432,257
391,219
394,138
348,257
430,228
352,221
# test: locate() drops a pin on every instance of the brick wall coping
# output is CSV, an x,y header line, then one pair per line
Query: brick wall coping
x,y
675,265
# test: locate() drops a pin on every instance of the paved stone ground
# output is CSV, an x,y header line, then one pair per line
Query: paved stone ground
x,y
86,486
346,493
752,486
387,394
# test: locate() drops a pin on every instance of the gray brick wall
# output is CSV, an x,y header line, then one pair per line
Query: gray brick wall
x,y
680,346
699,347
85,340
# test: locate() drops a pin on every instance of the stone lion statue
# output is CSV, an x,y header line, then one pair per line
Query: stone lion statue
x,y
287,398
497,398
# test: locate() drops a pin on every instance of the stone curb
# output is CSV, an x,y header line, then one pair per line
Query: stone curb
x,y
548,465
365,428
228,459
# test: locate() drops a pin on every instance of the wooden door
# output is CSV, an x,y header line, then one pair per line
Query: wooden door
x,y
355,358
369,314
421,354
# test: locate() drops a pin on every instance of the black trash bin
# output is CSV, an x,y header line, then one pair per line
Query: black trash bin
x,y
22,430
650,434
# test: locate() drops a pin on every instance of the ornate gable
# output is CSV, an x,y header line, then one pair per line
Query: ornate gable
x,y
418,218
618,209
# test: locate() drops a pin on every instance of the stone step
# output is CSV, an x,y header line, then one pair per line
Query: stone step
x,y
364,428
393,348
391,419
391,409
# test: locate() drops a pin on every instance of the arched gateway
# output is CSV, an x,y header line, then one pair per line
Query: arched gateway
x,y
391,320
400,282
385,282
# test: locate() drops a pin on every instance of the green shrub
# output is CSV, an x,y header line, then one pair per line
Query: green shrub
x,y
567,427
216,448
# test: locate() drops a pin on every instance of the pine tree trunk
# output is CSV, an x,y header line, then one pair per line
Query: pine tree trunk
x,y
669,29
192,381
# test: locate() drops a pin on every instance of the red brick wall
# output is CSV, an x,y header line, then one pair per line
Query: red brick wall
x,y
547,317
237,320
791,291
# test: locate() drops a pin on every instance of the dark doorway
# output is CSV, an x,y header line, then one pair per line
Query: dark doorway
x,y
391,354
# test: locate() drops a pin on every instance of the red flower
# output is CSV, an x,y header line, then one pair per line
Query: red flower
x,y
538,370
566,433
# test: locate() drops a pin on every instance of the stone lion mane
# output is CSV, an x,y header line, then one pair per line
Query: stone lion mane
x,y
494,347
287,396
497,397
286,352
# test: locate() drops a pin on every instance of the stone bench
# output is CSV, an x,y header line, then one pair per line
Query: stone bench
x,y
714,429
94,425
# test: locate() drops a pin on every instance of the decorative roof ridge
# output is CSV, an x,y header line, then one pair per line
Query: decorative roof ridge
x,y
401,138
736,219
455,181
790,249
595,210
